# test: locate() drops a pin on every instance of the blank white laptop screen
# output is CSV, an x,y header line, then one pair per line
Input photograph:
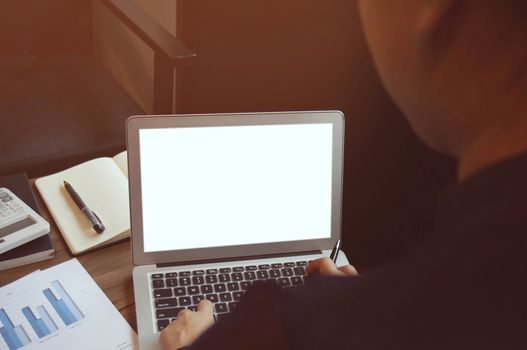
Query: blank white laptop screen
x,y
233,185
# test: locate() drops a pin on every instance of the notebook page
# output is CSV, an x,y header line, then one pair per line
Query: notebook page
x,y
103,188
121,160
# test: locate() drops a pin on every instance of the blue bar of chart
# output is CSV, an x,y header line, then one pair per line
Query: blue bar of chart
x,y
44,325
15,337
65,306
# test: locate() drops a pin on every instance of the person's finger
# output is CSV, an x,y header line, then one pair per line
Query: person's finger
x,y
206,306
348,270
169,338
324,265
183,312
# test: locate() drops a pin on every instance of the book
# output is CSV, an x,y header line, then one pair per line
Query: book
x,y
61,308
36,250
102,183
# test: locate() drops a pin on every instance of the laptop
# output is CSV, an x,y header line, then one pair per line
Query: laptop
x,y
222,202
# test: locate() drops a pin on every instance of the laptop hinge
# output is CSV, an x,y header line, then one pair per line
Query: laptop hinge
x,y
239,258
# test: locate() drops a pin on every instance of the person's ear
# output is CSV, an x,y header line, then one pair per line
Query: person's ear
x,y
435,19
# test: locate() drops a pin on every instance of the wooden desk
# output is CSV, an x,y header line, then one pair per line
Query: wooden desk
x,y
110,267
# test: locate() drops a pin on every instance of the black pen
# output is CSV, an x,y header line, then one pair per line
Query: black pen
x,y
90,215
335,252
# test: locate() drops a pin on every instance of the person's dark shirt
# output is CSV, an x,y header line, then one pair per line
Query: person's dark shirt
x,y
465,288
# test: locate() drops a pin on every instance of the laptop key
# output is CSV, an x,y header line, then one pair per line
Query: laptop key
x,y
196,280
184,301
238,269
299,271
264,267
212,297
237,295
158,284
168,313
237,276
197,298
162,324
225,297
162,293
198,272
184,274
224,278
220,307
297,281
276,266
284,282
219,288
262,275
249,275
232,286
184,281
232,306
211,279
169,302
225,270
180,291
171,275
157,275
250,268
206,289
193,290
287,272
275,273
212,271
172,282
245,285
289,264
301,263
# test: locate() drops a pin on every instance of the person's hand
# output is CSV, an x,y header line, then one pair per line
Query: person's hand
x,y
187,327
325,266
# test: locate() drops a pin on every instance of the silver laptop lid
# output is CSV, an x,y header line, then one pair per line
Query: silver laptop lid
x,y
208,187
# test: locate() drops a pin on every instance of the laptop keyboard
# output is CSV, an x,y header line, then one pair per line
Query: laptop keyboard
x,y
174,291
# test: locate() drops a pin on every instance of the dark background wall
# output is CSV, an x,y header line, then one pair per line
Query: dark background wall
x,y
280,55
56,26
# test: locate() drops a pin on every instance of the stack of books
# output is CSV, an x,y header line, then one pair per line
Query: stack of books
x,y
23,252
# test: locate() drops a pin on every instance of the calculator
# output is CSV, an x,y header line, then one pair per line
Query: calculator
x,y
19,223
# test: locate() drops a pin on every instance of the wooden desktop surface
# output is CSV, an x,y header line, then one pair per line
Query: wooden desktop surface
x,y
110,267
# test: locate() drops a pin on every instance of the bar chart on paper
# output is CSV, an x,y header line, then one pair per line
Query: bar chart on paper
x,y
60,308
53,308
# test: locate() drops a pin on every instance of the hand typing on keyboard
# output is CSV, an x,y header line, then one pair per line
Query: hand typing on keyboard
x,y
325,266
187,327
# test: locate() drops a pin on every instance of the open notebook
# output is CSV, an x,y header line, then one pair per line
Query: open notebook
x,y
103,185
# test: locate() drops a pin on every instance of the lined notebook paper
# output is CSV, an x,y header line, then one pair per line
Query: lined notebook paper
x,y
102,183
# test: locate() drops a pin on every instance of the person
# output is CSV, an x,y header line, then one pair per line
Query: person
x,y
457,69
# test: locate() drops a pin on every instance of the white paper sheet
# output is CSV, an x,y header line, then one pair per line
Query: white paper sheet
x,y
67,311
